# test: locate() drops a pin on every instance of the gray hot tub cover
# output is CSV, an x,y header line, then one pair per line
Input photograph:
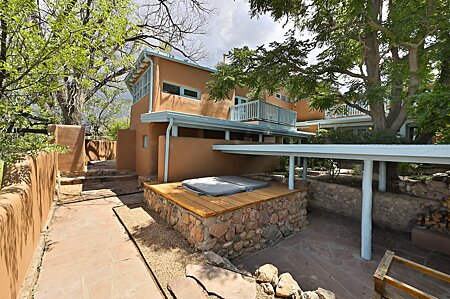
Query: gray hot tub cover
x,y
223,185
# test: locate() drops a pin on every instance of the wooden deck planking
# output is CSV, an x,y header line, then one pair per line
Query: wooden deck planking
x,y
207,206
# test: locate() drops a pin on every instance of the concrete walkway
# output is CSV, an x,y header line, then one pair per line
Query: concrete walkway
x,y
326,253
89,255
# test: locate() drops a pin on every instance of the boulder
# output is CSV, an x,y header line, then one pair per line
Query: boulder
x,y
287,286
267,273
309,295
268,288
325,294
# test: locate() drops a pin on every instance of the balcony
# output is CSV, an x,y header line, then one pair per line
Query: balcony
x,y
262,111
343,111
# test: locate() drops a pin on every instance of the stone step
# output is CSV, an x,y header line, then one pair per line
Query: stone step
x,y
186,288
100,178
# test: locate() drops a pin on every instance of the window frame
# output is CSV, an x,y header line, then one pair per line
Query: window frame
x,y
182,88
141,88
282,97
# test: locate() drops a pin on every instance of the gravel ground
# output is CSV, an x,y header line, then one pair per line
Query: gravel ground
x,y
163,248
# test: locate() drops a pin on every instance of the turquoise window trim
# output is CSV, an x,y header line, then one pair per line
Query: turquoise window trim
x,y
142,86
182,88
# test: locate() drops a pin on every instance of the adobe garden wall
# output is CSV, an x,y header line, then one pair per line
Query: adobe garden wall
x,y
25,203
395,211
234,233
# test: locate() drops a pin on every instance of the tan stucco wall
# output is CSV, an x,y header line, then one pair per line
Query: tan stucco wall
x,y
73,138
100,150
194,157
277,102
126,150
24,207
304,113
172,72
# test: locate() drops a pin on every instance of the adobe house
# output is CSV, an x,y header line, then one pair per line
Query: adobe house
x,y
173,125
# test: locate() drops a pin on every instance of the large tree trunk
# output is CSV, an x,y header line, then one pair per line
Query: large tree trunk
x,y
71,103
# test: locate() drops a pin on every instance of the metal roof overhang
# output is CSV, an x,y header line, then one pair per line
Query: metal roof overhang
x,y
435,154
211,123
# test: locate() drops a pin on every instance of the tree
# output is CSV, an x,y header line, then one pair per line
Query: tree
x,y
123,29
101,110
376,56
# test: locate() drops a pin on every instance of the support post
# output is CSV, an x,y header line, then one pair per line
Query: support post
x,y
382,176
227,135
305,169
298,160
174,131
291,172
366,214
260,138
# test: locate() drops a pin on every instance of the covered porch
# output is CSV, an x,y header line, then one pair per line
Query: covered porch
x,y
434,154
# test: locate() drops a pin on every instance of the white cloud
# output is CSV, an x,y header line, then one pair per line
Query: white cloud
x,y
232,27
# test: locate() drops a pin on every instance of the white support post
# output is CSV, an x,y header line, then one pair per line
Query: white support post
x,y
305,169
366,214
174,131
260,138
291,172
298,161
227,135
382,176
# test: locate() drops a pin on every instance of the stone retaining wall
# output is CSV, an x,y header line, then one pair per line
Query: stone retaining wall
x,y
237,232
437,187
395,211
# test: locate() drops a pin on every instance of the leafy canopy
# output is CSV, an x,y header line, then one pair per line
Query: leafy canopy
x,y
364,54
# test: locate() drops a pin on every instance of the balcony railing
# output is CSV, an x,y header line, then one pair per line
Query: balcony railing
x,y
259,110
343,111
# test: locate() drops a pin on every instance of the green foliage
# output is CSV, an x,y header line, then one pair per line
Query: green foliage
x,y
407,169
366,54
356,170
102,110
115,125
349,137
15,147
431,113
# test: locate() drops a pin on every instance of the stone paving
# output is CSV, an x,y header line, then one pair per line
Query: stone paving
x,y
89,255
326,253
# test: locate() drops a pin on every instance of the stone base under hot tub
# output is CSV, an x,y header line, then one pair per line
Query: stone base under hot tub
x,y
233,233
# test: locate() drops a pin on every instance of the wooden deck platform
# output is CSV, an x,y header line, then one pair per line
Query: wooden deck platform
x,y
208,206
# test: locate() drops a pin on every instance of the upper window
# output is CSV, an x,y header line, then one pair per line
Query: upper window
x,y
282,97
240,100
141,86
181,90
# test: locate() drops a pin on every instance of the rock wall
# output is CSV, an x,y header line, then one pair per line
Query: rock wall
x,y
438,187
395,211
237,232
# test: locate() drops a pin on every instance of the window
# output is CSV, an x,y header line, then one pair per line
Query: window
x,y
180,90
141,86
282,97
240,100
145,141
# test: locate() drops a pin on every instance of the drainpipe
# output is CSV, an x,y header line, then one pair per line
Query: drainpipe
x,y
166,154
150,108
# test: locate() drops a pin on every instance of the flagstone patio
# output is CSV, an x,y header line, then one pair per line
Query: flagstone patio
x,y
326,253
89,255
